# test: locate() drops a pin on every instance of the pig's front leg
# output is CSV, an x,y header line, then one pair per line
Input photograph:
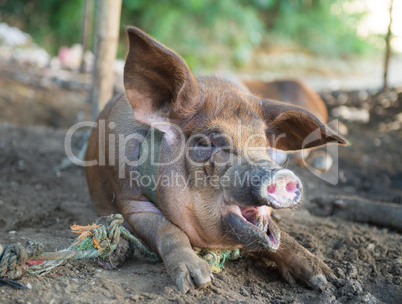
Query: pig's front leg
x,y
296,263
169,241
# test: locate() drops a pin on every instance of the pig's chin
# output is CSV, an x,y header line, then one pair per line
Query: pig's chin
x,y
252,227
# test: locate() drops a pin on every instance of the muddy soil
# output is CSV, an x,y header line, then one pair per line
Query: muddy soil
x,y
40,204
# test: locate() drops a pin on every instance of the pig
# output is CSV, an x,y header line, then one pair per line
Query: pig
x,y
300,94
292,91
214,139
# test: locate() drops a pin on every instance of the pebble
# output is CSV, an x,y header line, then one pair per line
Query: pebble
x,y
29,286
135,298
343,98
351,270
340,273
21,165
351,114
342,128
370,247
321,161
12,232
340,203
351,287
13,37
363,95
364,297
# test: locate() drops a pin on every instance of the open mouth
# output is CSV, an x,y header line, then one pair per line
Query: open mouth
x,y
247,220
252,227
258,217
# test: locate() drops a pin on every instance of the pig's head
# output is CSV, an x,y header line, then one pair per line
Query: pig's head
x,y
224,133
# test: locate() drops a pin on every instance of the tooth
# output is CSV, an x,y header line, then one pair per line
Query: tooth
x,y
258,221
261,222
265,227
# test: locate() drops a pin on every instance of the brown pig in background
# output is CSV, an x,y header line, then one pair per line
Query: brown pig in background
x,y
220,183
295,92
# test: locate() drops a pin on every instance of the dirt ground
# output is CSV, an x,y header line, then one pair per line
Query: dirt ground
x,y
40,204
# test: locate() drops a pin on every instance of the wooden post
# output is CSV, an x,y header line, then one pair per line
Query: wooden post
x,y
86,30
106,39
387,48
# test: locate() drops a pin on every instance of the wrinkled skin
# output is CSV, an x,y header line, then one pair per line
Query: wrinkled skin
x,y
224,132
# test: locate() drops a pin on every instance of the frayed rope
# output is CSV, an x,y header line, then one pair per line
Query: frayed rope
x,y
93,241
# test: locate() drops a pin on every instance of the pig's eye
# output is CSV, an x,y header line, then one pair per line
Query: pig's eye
x,y
203,151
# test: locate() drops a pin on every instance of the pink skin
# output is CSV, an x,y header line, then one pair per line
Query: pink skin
x,y
283,190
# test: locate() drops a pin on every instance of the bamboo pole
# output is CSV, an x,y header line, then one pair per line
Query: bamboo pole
x,y
387,48
106,39
86,31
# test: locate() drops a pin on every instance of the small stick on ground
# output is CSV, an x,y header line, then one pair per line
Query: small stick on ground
x,y
360,210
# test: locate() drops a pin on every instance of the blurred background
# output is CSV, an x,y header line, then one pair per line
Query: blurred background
x,y
318,39
331,45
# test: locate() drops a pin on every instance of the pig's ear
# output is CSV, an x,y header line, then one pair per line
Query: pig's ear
x,y
156,79
293,128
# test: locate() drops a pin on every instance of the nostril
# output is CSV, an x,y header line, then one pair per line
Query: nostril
x,y
271,188
283,189
291,187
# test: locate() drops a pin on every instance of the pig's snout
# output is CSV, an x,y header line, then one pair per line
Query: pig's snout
x,y
276,188
247,220
280,189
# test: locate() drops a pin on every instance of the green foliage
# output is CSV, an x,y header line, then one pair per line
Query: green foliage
x,y
204,32
207,33
318,29
50,23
